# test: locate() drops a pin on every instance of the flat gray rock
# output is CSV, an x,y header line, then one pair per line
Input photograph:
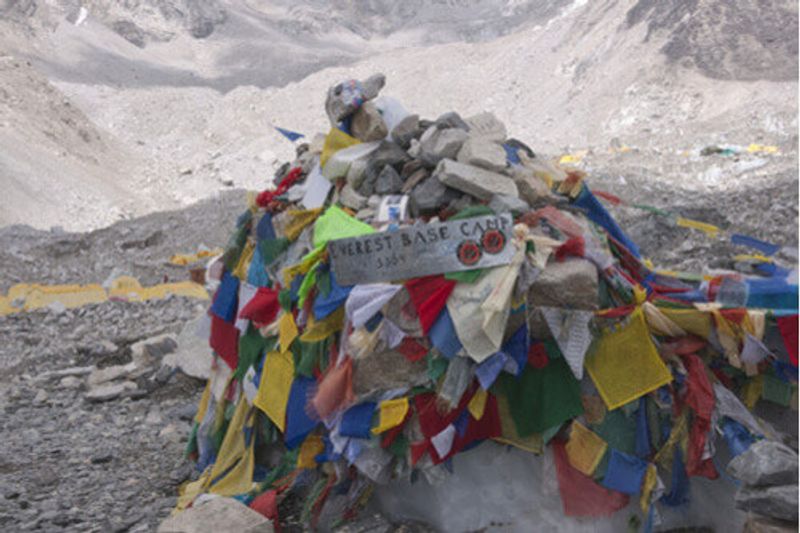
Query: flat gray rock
x,y
477,182
220,515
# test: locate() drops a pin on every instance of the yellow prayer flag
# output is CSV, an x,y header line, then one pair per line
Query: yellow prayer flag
x,y
477,405
244,261
585,448
297,220
191,490
625,364
650,480
202,407
310,448
233,445
754,148
317,331
532,443
708,229
276,382
690,320
680,429
287,331
659,323
751,392
335,140
392,413
240,478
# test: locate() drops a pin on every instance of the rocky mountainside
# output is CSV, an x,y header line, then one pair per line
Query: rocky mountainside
x,y
185,94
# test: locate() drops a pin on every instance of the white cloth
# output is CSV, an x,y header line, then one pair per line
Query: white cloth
x,y
246,293
443,441
480,310
364,301
753,351
570,328
729,405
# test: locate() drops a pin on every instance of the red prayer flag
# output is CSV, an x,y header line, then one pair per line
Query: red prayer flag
x,y
267,505
263,308
412,349
429,296
580,494
788,328
224,340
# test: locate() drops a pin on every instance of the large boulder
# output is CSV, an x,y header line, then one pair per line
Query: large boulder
x,y
774,502
193,356
571,284
220,515
760,524
765,463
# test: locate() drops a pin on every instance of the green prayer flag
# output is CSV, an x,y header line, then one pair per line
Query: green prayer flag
x,y
270,249
542,397
251,346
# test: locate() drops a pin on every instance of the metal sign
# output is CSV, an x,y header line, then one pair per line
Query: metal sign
x,y
422,250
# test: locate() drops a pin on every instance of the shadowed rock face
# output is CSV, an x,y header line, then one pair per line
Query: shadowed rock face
x,y
742,40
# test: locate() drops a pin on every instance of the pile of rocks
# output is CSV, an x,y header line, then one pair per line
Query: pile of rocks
x,y
443,165
412,288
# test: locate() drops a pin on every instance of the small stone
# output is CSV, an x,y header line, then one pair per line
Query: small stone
x,y
350,198
173,433
368,124
164,374
428,197
414,179
480,183
531,188
153,416
106,392
40,398
185,412
355,174
407,129
388,182
487,126
69,382
451,119
438,144
57,307
410,168
388,153
366,214
508,204
339,163
414,148
145,352
221,515
110,373
483,153
101,458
